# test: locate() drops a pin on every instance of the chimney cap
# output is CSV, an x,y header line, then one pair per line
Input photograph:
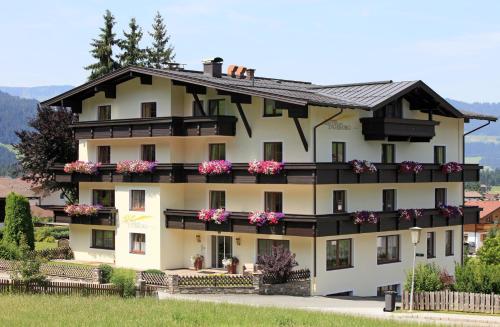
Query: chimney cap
x,y
212,60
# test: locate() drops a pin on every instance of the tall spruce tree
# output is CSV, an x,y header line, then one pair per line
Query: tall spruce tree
x,y
161,52
102,49
131,53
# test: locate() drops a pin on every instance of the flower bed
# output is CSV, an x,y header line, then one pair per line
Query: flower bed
x,y
362,166
408,214
267,167
218,216
452,167
261,218
82,167
82,209
450,211
214,167
135,167
365,217
410,167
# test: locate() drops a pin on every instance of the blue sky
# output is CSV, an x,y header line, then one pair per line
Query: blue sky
x,y
454,46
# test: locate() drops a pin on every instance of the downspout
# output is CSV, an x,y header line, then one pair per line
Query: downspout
x,y
315,190
463,187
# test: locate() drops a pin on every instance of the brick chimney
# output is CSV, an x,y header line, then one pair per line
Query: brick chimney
x,y
250,73
213,67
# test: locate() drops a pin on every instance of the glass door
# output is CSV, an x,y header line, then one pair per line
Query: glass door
x,y
221,248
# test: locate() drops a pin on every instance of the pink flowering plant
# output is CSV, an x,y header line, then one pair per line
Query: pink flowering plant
x,y
452,167
82,167
450,211
410,167
265,167
261,218
218,216
214,167
362,166
82,209
135,167
408,214
365,217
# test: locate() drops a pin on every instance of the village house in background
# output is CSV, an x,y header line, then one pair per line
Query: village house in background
x,y
474,234
342,217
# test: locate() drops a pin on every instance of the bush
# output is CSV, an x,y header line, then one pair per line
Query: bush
x,y
476,276
427,278
50,234
106,273
124,279
489,253
9,251
18,221
278,264
154,271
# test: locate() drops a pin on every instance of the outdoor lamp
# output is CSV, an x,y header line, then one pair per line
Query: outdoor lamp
x,y
415,234
198,238
415,238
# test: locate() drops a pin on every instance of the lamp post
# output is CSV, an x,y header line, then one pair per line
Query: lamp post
x,y
415,238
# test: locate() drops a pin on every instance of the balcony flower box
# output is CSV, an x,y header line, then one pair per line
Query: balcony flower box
x,y
75,210
266,167
362,166
135,167
450,211
218,216
365,217
452,167
410,167
214,167
261,218
82,167
408,216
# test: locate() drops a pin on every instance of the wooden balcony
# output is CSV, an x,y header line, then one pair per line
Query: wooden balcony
x,y
319,225
151,127
293,173
105,217
398,129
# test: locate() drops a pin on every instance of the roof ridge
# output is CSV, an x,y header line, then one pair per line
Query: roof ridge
x,y
352,84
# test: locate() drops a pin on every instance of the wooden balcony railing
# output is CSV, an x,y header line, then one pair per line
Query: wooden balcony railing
x,y
293,173
105,216
160,126
319,225
398,129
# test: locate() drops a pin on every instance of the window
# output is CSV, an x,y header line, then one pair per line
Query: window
x,y
148,152
389,200
198,110
104,154
105,198
388,153
440,197
217,151
448,243
137,200
387,249
217,199
104,113
103,239
431,246
439,154
270,109
339,204
338,152
273,151
391,110
222,247
137,243
148,109
382,289
273,201
216,107
338,254
264,247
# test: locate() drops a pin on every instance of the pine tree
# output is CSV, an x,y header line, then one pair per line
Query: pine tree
x,y
161,52
132,54
18,221
102,49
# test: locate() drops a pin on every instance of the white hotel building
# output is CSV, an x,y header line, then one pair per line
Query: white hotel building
x,y
180,118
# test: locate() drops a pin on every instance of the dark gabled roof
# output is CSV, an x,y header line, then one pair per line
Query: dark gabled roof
x,y
366,96
478,116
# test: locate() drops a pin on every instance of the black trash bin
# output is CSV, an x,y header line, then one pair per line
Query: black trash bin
x,y
390,301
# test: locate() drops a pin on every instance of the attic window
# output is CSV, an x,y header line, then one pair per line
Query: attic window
x,y
270,109
391,110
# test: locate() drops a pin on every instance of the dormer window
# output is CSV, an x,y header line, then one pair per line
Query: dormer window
x,y
104,113
270,109
148,109
216,107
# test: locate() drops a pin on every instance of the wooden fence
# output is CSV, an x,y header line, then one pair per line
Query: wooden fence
x,y
295,275
215,281
59,288
453,301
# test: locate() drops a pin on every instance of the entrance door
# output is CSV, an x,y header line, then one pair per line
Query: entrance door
x,y
221,248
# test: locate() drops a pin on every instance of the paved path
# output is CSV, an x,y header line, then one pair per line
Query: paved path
x,y
366,307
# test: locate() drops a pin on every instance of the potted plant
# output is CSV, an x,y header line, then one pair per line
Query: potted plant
x,y
197,261
230,264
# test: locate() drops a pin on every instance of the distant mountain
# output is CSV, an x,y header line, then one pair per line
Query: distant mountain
x,y
486,108
39,93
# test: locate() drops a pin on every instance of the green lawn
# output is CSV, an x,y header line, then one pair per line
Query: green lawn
x,y
45,245
49,310
495,189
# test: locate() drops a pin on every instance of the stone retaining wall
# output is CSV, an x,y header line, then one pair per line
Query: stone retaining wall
x,y
295,288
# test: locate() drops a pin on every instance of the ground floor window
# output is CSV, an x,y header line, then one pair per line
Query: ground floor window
x,y
449,243
103,239
382,289
338,254
221,248
137,243
387,249
264,247
431,245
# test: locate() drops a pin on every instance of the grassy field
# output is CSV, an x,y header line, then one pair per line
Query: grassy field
x,y
495,189
45,245
39,310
